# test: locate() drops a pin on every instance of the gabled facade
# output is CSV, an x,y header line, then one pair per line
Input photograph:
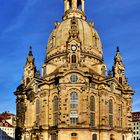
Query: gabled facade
x,y
74,99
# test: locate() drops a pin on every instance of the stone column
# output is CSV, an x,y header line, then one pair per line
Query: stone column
x,y
66,5
83,5
74,4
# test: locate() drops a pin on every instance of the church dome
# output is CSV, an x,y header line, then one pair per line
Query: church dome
x,y
88,36
74,30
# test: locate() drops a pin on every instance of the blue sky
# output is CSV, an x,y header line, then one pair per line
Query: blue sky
x,y
29,22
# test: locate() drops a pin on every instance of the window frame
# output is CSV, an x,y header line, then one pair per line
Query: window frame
x,y
92,111
73,108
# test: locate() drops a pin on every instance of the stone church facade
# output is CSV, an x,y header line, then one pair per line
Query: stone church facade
x,y
74,98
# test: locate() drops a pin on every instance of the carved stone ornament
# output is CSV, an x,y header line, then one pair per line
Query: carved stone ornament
x,y
30,95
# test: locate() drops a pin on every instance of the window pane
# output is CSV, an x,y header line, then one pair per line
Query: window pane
x,y
92,119
74,96
73,78
111,120
74,108
73,120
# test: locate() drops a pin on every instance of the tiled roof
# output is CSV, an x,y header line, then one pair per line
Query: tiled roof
x,y
135,116
7,115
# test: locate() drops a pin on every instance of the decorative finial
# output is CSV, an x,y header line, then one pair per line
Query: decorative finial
x,y
30,51
118,50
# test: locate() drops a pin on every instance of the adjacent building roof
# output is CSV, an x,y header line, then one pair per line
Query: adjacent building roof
x,y
4,123
4,117
135,116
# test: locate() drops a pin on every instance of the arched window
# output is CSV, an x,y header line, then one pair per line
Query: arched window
x,y
37,111
92,111
55,110
110,113
73,59
94,137
73,108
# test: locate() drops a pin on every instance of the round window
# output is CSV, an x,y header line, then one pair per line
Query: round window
x,y
73,78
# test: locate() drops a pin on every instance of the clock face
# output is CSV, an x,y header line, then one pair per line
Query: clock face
x,y
74,47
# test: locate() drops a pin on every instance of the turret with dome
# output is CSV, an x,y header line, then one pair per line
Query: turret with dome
x,y
74,98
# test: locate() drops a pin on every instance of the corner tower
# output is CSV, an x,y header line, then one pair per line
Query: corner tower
x,y
30,68
75,99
